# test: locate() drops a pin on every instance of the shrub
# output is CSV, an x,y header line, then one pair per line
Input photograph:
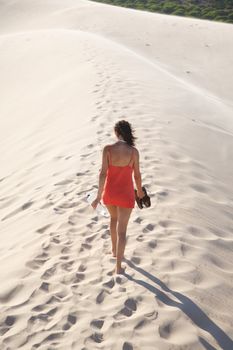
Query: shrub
x,y
154,7
179,12
220,18
194,13
210,15
218,10
169,7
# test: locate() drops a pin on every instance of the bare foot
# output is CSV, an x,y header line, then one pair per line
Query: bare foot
x,y
120,270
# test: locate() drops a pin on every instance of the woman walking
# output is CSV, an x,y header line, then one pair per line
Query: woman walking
x,y
116,189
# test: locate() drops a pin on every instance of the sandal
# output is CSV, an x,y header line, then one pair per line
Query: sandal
x,y
143,201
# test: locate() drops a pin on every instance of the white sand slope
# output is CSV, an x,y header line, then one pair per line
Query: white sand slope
x,y
69,70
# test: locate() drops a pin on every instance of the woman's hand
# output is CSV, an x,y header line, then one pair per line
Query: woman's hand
x,y
140,194
95,202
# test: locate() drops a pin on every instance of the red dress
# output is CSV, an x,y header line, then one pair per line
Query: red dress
x,y
119,188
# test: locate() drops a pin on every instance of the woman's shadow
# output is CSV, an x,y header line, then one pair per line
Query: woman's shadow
x,y
186,305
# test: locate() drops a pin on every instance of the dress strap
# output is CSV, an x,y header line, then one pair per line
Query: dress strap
x,y
110,159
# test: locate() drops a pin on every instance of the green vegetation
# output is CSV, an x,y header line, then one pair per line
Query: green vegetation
x,y
216,10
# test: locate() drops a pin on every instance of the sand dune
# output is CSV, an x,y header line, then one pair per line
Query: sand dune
x,y
70,70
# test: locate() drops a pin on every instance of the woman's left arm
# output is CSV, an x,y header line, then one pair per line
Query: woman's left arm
x,y
102,176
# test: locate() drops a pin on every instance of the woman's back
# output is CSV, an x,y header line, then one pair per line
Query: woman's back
x,y
121,154
119,188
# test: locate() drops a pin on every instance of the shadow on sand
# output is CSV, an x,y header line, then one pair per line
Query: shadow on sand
x,y
185,304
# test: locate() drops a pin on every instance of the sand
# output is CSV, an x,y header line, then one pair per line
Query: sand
x,y
69,70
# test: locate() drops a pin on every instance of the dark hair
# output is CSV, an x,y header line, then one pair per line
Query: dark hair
x,y
124,129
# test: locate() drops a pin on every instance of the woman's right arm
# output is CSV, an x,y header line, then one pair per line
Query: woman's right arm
x,y
137,175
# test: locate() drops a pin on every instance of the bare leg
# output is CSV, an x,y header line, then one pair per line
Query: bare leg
x,y
113,224
123,219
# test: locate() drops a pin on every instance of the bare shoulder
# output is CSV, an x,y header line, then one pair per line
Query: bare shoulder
x,y
106,148
135,151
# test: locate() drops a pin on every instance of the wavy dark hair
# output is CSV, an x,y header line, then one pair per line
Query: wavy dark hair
x,y
124,129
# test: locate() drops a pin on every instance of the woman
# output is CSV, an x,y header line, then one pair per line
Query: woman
x,y
116,188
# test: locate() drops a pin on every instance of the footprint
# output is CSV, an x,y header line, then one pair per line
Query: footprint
x,y
52,311
68,157
121,280
97,323
53,336
58,211
82,268
27,205
141,324
184,249
164,223
86,246
65,250
106,234
71,320
94,118
136,260
81,174
140,238
194,230
163,193
109,284
152,243
46,205
149,227
128,309
3,330
34,319
86,155
43,229
45,286
131,304
66,326
165,330
138,220
49,272
63,182
125,311
100,297
199,188
127,346
23,207
55,240
10,320
39,308
79,277
64,257
97,337
90,238
67,266
35,264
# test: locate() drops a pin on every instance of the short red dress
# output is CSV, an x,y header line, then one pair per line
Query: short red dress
x,y
119,188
